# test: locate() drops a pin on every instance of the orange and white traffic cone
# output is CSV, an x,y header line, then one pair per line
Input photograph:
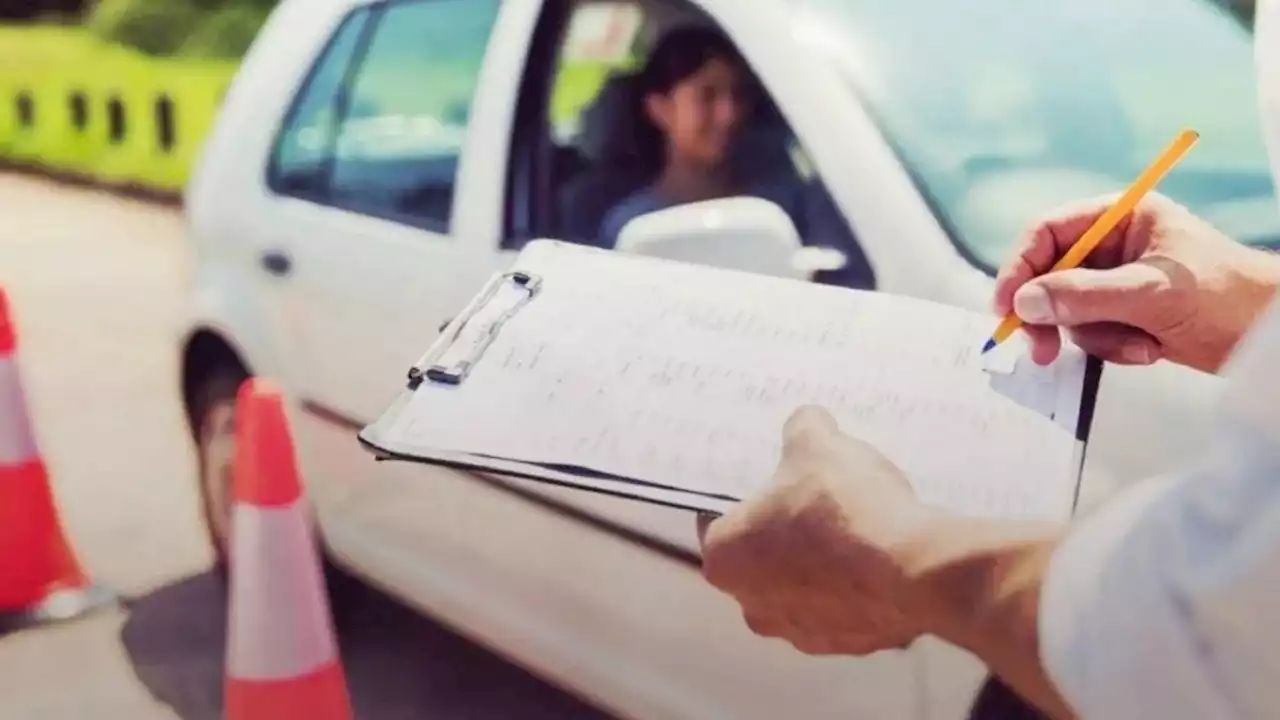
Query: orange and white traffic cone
x,y
40,578
282,655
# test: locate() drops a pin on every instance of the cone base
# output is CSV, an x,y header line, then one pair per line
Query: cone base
x,y
38,559
321,695
60,606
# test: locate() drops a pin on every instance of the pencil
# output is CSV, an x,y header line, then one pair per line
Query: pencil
x,y
1107,222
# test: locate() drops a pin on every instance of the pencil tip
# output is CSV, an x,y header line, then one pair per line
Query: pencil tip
x,y
989,346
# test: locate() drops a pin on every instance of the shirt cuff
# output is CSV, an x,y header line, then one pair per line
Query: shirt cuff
x,y
1081,605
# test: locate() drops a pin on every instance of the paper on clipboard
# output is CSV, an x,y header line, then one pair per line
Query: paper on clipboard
x,y
678,377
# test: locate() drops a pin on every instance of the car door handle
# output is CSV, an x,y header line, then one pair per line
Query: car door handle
x,y
277,262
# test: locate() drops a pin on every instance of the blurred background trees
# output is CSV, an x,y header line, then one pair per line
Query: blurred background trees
x,y
201,28
41,9
195,28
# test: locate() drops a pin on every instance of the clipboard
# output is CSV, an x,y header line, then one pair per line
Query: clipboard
x,y
454,373
450,360
468,341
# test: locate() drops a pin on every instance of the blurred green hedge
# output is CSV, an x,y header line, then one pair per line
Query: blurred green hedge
x,y
71,102
220,29
127,95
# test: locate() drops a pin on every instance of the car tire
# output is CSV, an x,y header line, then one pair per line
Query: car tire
x,y
212,404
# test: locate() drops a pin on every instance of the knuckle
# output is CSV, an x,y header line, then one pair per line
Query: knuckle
x,y
807,431
721,568
760,625
801,441
806,491
714,569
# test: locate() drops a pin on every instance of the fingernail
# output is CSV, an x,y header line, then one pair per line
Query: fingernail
x,y
1137,352
1033,305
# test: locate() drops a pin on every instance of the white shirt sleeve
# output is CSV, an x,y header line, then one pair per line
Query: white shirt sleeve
x,y
1266,62
1164,602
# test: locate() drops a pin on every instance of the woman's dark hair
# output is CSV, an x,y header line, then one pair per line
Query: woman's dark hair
x,y
682,52
678,54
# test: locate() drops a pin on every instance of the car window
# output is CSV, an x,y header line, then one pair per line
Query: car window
x,y
399,145
395,146
1006,111
298,164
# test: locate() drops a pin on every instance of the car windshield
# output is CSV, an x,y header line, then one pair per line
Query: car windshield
x,y
1005,108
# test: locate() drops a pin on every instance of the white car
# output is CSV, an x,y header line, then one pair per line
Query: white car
x,y
375,161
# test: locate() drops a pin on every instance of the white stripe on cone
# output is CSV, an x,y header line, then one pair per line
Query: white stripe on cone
x,y
17,443
280,624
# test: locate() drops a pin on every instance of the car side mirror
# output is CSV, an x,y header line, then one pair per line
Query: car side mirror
x,y
739,233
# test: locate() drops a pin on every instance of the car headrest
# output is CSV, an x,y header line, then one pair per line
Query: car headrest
x,y
609,123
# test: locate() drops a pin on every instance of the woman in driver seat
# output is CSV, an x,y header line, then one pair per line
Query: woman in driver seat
x,y
694,101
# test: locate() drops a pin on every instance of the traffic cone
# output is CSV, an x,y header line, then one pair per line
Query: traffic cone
x,y
282,656
40,578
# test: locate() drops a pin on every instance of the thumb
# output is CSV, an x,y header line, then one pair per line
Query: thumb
x,y
1124,294
807,431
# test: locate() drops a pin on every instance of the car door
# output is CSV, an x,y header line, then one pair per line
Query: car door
x,y
366,214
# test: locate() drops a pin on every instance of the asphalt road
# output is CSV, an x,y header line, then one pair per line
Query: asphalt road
x,y
94,282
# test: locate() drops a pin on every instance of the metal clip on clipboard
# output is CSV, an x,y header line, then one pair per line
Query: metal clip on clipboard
x,y
455,372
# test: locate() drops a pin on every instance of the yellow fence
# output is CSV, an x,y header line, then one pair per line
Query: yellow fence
x,y
71,103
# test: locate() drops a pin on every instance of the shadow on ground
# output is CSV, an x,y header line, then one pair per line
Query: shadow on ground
x,y
175,640
399,665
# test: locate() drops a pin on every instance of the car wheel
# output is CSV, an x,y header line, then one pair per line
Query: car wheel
x,y
213,408
213,412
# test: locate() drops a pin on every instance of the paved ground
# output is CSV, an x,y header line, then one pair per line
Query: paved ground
x,y
94,282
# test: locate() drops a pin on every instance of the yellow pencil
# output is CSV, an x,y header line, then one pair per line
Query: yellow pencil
x,y
1107,222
